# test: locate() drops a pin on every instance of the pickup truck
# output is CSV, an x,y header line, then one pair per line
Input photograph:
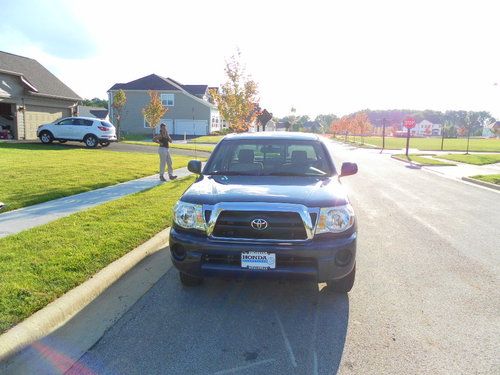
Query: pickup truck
x,y
267,205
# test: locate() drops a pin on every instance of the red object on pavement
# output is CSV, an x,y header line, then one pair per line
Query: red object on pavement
x,y
409,123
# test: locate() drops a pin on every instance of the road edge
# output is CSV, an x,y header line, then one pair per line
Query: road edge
x,y
482,183
57,313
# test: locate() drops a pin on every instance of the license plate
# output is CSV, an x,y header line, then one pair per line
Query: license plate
x,y
258,260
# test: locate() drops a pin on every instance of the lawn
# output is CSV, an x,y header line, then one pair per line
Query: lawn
x,y
491,178
421,159
35,173
433,144
477,159
182,146
206,139
41,264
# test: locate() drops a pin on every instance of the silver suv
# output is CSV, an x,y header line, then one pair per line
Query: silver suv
x,y
89,130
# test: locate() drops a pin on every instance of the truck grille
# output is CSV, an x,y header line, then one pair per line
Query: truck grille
x,y
282,261
280,225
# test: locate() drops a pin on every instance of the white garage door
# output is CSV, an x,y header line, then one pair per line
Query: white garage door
x,y
190,127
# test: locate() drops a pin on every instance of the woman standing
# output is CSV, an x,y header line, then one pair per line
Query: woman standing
x,y
163,139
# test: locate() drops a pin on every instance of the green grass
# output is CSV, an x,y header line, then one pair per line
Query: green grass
x,y
477,159
41,264
420,159
432,144
181,146
35,173
207,139
491,178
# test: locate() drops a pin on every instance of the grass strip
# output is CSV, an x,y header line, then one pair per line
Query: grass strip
x,y
491,178
41,264
476,159
36,173
421,159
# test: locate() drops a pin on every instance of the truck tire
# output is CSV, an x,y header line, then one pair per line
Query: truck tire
x,y
188,280
344,284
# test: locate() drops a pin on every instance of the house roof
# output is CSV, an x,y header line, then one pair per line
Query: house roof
x,y
156,82
35,77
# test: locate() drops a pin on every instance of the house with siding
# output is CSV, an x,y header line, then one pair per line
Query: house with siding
x,y
190,111
30,95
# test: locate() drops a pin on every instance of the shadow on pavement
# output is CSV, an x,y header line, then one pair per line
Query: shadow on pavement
x,y
225,327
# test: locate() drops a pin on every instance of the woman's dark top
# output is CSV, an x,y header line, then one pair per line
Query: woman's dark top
x,y
164,140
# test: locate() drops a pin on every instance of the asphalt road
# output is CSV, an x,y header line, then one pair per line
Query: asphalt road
x,y
426,298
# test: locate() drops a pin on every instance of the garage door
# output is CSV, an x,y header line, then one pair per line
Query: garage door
x,y
190,127
37,115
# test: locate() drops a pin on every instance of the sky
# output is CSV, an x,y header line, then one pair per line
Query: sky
x,y
316,56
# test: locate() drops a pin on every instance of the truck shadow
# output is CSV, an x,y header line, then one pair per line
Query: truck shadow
x,y
225,326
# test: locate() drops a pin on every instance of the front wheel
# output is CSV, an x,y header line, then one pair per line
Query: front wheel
x,y
90,141
188,280
105,144
46,137
344,284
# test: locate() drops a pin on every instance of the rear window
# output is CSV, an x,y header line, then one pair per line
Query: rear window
x,y
106,124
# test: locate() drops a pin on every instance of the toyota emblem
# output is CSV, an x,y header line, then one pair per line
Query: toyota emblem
x,y
259,224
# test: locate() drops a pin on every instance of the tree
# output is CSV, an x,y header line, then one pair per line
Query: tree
x,y
237,97
326,121
362,124
95,102
119,100
154,111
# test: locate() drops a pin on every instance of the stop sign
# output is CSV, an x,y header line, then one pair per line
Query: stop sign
x,y
409,123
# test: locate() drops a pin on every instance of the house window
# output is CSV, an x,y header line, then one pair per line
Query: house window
x,y
167,100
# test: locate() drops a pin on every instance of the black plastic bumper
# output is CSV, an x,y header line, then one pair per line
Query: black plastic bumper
x,y
330,258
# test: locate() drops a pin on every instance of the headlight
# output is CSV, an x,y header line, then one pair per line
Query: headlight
x,y
335,219
189,215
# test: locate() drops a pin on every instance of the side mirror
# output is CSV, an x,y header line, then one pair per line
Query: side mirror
x,y
348,169
194,166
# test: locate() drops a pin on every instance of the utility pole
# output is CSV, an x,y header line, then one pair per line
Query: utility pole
x,y
383,134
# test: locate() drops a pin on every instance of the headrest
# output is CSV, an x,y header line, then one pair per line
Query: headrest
x,y
299,156
246,156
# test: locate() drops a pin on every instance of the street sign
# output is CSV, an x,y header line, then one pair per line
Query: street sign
x,y
409,123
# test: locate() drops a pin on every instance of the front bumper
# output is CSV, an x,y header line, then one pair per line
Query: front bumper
x,y
197,255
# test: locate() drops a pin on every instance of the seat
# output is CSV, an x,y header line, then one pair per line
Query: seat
x,y
299,157
246,163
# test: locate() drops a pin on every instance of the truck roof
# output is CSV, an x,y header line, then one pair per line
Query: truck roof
x,y
273,135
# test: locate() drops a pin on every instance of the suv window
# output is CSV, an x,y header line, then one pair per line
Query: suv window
x,y
82,122
270,157
106,124
67,121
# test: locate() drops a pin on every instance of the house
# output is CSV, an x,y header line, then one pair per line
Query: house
x,y
426,128
30,95
190,111
312,126
491,130
97,112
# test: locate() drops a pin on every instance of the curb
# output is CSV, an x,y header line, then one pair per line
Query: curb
x,y
60,311
482,183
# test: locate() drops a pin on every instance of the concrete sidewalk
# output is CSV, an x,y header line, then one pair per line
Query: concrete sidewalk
x,y
25,218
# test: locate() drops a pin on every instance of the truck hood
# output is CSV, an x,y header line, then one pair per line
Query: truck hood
x,y
309,191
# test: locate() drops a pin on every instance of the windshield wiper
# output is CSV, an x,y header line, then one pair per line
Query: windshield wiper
x,y
232,174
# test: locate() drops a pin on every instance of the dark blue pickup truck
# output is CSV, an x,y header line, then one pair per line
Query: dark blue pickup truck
x,y
268,205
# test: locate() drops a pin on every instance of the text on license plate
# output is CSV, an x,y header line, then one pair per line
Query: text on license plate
x,y
258,260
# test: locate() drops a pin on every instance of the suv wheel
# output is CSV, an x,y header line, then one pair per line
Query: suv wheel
x,y
90,141
343,285
46,137
188,280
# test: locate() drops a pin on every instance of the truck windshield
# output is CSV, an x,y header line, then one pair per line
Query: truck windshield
x,y
270,158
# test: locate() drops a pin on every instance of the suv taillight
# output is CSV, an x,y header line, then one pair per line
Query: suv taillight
x,y
103,128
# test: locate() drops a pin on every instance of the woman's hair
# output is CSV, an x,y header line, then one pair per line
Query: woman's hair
x,y
163,129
